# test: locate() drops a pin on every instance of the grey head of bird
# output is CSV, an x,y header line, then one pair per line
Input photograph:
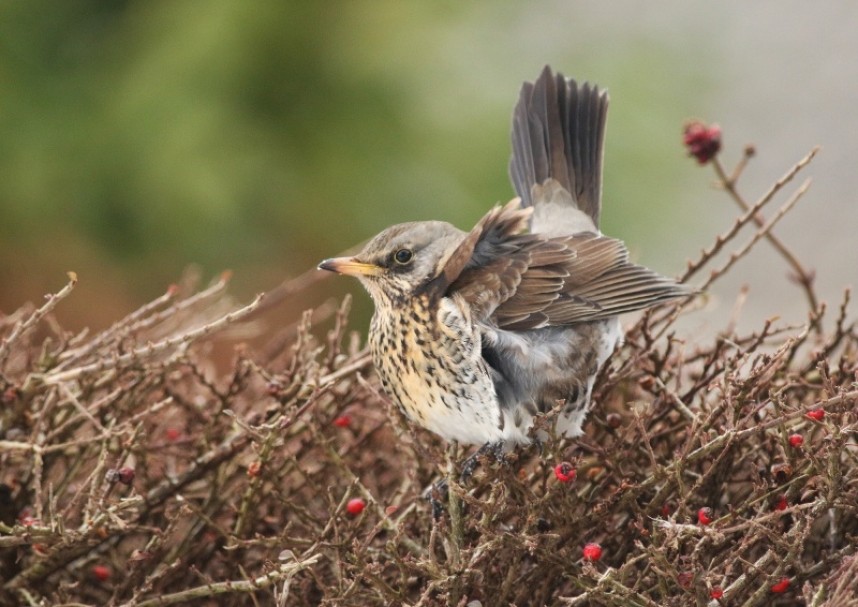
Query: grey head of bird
x,y
401,260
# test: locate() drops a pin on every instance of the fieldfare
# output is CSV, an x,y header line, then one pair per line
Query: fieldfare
x,y
476,333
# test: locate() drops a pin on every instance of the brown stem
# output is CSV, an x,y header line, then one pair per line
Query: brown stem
x,y
804,277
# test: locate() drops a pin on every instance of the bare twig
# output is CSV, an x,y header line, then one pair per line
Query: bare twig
x,y
35,317
804,277
153,349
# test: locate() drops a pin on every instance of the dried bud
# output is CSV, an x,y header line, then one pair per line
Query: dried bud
x,y
10,395
782,472
646,382
703,142
254,468
40,549
124,475
594,472
25,513
614,420
139,555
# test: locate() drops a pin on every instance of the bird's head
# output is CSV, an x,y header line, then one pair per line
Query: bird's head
x,y
401,260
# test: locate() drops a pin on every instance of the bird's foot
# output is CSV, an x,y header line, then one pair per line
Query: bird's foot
x,y
438,493
437,497
471,463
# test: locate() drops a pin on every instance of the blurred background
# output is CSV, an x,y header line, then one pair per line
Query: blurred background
x,y
139,138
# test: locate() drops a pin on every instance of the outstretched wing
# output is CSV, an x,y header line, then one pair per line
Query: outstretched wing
x,y
527,281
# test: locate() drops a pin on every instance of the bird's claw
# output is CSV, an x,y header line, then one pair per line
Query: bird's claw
x,y
471,463
437,497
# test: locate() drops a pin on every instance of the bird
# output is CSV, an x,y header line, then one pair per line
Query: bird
x,y
477,333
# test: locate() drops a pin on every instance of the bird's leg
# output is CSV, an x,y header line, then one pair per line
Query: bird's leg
x,y
471,463
439,492
497,451
437,496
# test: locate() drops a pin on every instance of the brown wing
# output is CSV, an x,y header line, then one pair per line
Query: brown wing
x,y
488,236
527,281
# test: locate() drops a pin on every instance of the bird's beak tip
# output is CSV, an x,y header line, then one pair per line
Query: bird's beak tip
x,y
348,266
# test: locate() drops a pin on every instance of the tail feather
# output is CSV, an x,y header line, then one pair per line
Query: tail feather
x,y
558,132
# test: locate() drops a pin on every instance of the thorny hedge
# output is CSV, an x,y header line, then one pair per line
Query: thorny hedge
x,y
138,470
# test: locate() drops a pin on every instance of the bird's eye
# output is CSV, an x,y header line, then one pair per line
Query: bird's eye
x,y
403,256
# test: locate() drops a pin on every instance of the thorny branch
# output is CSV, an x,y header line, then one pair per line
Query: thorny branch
x,y
139,471
729,183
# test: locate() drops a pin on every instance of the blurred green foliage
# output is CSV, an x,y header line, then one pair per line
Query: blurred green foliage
x,y
137,137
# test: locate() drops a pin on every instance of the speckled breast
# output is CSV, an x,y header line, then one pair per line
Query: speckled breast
x,y
430,363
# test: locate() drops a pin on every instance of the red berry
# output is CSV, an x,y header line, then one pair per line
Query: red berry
x,y
343,421
564,472
796,440
173,434
666,509
592,552
781,586
101,572
355,506
816,414
716,593
703,142
29,521
254,468
704,515
126,475
781,503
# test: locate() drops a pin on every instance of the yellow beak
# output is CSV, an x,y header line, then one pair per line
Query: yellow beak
x,y
350,267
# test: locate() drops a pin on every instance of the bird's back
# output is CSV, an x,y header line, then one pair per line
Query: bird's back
x,y
551,356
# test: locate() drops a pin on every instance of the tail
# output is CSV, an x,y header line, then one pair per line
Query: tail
x,y
558,131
